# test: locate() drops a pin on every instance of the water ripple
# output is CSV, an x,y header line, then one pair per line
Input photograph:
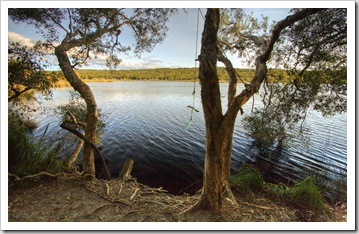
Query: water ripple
x,y
148,121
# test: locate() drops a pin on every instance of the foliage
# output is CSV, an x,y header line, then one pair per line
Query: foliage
x,y
264,129
97,30
248,179
77,107
171,74
304,194
307,194
313,51
26,73
243,34
27,155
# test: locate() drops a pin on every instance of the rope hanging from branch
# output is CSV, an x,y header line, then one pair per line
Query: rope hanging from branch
x,y
195,76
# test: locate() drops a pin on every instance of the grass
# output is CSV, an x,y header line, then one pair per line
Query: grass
x,y
248,179
303,195
27,155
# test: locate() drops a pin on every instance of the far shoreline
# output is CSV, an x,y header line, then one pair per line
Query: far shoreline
x,y
65,83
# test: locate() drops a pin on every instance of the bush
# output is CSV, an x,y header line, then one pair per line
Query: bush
x,y
27,155
304,194
248,179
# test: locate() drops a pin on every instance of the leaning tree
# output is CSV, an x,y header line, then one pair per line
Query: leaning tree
x,y
239,33
77,35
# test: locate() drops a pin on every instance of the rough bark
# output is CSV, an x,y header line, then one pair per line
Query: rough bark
x,y
92,114
213,180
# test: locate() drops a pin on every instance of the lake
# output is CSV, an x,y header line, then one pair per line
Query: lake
x,y
147,121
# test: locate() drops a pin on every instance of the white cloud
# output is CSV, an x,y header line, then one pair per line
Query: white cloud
x,y
15,37
144,63
127,63
98,61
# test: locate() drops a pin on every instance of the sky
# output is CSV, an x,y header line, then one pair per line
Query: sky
x,y
177,50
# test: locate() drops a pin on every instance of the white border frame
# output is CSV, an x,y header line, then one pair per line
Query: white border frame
x,y
349,225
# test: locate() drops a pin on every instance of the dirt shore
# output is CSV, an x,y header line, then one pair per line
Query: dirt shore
x,y
76,200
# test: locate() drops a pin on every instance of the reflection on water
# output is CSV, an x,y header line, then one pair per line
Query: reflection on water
x,y
147,121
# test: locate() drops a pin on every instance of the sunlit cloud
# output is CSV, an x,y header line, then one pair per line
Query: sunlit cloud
x,y
25,41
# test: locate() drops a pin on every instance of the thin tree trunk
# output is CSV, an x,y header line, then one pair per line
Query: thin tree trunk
x,y
74,154
92,114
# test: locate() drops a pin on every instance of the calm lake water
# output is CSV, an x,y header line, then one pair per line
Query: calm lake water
x,y
147,121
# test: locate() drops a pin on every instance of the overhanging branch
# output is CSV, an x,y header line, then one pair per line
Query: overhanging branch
x,y
261,60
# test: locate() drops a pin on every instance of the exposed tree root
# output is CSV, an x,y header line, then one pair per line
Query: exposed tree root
x,y
64,175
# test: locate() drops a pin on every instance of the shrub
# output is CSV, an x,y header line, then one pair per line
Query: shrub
x,y
304,194
248,179
27,155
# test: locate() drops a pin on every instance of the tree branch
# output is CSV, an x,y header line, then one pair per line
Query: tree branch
x,y
55,21
93,146
261,60
289,20
232,87
18,93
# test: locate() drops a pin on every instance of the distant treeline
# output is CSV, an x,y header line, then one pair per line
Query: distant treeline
x,y
171,74
179,74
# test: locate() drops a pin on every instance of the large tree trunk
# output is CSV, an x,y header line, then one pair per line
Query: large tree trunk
x,y
219,128
92,114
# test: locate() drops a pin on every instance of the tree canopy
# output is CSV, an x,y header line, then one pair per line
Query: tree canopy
x,y
313,52
76,35
97,31
26,73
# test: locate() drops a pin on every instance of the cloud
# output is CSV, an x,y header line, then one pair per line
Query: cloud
x,y
25,41
98,61
143,63
127,63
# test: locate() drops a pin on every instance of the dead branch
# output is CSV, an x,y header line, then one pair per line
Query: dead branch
x,y
93,146
107,189
119,192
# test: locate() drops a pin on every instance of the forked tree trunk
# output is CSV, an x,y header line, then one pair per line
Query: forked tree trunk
x,y
219,128
92,114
